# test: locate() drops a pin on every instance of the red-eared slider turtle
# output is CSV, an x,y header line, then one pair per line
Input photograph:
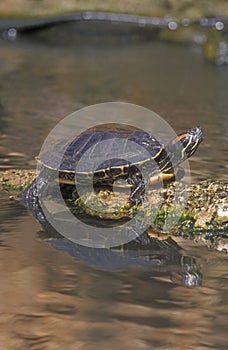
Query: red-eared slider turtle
x,y
145,154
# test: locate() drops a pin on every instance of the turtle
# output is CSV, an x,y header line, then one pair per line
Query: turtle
x,y
108,153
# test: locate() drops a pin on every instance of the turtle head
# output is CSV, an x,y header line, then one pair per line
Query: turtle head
x,y
188,141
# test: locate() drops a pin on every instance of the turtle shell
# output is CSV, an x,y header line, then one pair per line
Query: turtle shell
x,y
101,148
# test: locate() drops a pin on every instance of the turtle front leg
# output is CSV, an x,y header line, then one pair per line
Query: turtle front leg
x,y
137,193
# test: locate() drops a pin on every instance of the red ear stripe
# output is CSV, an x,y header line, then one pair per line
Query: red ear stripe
x,y
179,137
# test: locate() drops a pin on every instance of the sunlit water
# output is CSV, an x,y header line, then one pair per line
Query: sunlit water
x,y
49,300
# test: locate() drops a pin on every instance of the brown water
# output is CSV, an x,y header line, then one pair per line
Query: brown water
x,y
50,300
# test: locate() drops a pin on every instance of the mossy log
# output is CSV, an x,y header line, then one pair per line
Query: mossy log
x,y
204,215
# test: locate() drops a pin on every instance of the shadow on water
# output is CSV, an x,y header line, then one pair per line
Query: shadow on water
x,y
128,298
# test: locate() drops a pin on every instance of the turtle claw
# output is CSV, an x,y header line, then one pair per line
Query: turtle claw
x,y
137,199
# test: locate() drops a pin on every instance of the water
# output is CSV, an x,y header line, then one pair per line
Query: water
x,y
50,300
